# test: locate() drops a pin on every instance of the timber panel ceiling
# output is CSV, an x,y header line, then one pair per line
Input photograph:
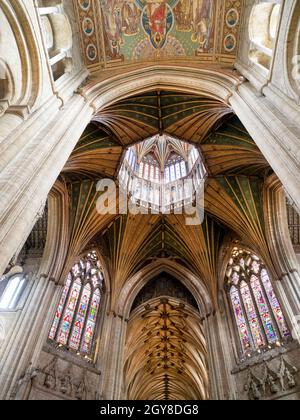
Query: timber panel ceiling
x,y
225,144
166,354
187,117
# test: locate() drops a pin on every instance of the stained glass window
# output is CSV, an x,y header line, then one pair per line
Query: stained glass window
x,y
167,174
183,169
60,308
68,316
91,323
274,303
177,170
172,173
141,170
240,319
146,171
157,173
257,311
80,318
252,316
263,310
75,319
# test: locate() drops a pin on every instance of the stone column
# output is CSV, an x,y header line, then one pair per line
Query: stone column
x,y
46,144
220,358
114,336
276,136
28,334
287,282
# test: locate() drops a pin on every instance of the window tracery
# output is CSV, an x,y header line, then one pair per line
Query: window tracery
x,y
257,312
263,27
75,320
58,37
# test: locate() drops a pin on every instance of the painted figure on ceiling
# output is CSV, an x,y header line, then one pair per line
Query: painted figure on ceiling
x,y
131,18
157,20
183,15
202,23
112,17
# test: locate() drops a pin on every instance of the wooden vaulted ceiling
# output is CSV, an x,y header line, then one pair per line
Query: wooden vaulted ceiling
x,y
166,354
185,116
233,199
233,206
209,124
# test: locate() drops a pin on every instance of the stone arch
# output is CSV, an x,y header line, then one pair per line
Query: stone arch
x,y
207,82
164,285
24,90
134,285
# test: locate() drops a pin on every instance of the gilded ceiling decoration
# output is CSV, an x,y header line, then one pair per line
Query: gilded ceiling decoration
x,y
114,32
166,354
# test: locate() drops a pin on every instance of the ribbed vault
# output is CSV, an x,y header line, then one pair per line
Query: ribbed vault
x,y
188,117
165,354
233,198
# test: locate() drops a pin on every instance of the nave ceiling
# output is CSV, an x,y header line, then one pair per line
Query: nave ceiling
x,y
166,353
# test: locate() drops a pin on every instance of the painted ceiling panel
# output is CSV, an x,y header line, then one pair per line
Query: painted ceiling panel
x,y
114,32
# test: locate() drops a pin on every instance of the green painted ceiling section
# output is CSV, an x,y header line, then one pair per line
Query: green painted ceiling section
x,y
247,194
190,116
233,133
95,137
83,197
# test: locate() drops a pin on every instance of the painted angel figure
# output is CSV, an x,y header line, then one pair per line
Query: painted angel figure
x,y
183,15
130,18
155,18
112,16
202,24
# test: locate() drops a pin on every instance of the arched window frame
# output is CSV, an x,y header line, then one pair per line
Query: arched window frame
x,y
59,57
263,32
236,278
86,275
12,292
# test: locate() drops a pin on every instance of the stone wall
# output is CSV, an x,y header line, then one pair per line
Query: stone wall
x,y
275,377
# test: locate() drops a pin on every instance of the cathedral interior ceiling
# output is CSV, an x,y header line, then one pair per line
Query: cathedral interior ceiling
x,y
169,358
233,199
225,144
116,32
